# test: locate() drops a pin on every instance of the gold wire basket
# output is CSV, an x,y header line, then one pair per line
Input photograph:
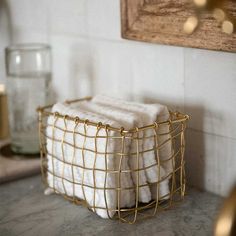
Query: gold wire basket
x,y
174,138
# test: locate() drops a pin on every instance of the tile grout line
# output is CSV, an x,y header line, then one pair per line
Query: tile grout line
x,y
211,134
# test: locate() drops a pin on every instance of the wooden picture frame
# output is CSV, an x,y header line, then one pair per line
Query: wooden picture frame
x,y
161,21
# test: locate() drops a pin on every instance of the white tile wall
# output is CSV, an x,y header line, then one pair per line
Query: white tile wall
x,y
29,14
75,59
210,161
68,17
5,37
158,74
89,56
113,72
104,19
210,83
28,35
85,18
88,67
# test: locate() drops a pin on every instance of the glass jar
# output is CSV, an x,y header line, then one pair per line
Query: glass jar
x,y
28,68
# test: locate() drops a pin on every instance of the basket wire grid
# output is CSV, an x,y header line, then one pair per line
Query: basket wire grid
x,y
175,137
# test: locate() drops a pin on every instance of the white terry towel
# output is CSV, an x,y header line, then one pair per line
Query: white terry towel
x,y
76,158
128,120
149,113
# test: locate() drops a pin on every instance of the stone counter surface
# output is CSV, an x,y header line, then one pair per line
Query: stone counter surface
x,y
25,210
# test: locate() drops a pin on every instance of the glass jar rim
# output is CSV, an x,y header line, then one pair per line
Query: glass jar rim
x,y
28,47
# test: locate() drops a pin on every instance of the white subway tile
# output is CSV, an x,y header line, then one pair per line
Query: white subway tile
x,y
5,39
29,36
83,68
2,69
72,72
210,162
28,14
104,18
86,18
112,68
210,85
158,74
68,17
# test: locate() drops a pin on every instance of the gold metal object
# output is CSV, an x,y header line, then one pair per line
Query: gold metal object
x,y
217,8
226,222
200,3
4,130
227,27
190,25
219,14
176,126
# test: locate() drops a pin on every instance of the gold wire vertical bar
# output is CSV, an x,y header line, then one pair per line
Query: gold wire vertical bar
x,y
137,167
43,142
94,167
173,179
83,156
53,138
182,177
119,173
42,161
73,159
158,167
63,155
106,171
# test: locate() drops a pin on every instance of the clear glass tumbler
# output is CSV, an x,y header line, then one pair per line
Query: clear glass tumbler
x,y
28,69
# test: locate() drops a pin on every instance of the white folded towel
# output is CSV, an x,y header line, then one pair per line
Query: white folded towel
x,y
62,150
148,114
128,120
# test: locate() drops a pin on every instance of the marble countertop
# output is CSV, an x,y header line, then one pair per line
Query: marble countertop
x,y
25,210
